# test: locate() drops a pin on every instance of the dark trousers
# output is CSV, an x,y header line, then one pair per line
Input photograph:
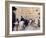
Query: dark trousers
x,y
13,26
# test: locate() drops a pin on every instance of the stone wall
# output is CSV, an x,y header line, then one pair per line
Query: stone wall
x,y
28,12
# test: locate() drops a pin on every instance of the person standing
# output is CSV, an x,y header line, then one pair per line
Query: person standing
x,y
16,24
13,17
22,19
21,23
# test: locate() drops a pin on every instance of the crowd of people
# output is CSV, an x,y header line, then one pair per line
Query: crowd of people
x,y
22,23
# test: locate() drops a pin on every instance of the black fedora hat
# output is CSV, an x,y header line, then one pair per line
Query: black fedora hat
x,y
13,8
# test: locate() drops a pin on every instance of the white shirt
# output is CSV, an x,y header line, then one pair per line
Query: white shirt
x,y
21,23
16,23
30,21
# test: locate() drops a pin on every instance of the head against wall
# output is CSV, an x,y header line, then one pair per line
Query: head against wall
x,y
14,9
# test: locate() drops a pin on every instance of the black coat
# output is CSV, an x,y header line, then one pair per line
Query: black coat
x,y
26,22
13,20
22,19
13,17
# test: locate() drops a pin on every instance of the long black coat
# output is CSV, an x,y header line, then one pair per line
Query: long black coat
x,y
13,17
13,20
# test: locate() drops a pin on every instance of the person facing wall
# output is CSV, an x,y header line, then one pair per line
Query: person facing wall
x,y
13,17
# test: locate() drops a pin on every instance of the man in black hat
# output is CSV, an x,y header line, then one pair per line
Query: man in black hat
x,y
13,17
